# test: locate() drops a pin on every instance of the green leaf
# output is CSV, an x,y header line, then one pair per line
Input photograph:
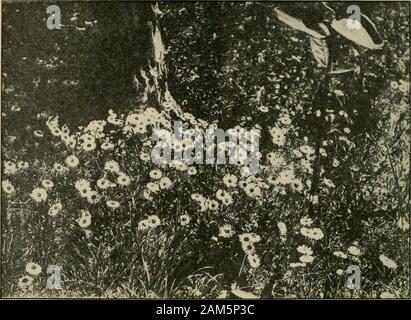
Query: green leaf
x,y
243,294
320,51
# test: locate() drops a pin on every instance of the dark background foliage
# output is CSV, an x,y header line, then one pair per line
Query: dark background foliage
x,y
219,55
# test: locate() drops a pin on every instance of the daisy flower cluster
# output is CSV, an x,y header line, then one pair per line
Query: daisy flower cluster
x,y
205,203
122,178
278,136
84,221
7,187
139,123
353,251
85,190
62,132
26,282
11,168
330,191
253,187
312,234
39,194
158,182
151,222
248,242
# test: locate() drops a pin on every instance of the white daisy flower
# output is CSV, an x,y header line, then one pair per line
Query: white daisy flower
x,y
286,176
143,225
297,265
39,194
153,187
230,180
10,168
112,204
145,157
340,254
155,174
245,238
104,183
226,231
25,282
84,222
7,187
340,272
153,221
59,168
307,150
220,194
276,160
305,250
387,295
254,238
147,196
312,233
248,247
306,259
328,183
22,165
48,184
93,197
253,260
85,214
72,161
285,119
355,251
212,205
278,136
253,190
192,171
282,228
55,209
112,166
123,179
403,224
165,183
184,220
88,146
306,221
389,263
107,145
83,187
33,269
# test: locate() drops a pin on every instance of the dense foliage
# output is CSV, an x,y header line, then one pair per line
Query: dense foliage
x,y
79,190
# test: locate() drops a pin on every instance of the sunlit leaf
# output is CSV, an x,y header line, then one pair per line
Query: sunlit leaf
x,y
320,51
243,294
298,24
366,35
